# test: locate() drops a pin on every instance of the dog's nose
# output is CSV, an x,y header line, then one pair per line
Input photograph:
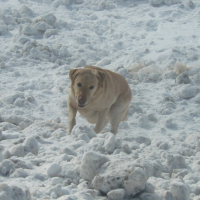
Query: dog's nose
x,y
81,100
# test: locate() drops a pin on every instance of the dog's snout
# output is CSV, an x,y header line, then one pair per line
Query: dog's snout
x,y
81,100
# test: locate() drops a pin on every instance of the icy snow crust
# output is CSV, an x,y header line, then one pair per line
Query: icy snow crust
x,y
155,45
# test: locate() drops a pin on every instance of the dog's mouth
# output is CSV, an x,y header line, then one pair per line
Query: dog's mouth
x,y
80,105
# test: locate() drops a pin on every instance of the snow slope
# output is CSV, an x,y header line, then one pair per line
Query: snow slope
x,y
155,45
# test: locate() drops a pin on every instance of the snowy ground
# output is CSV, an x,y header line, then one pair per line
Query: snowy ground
x,y
155,45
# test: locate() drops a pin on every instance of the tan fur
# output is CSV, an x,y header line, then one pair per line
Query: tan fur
x,y
107,101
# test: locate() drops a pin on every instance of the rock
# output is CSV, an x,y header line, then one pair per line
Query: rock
x,y
60,132
7,167
50,19
168,196
3,29
31,145
90,165
154,77
155,2
50,32
68,151
109,143
179,190
143,121
54,169
143,139
19,173
24,10
190,3
42,26
0,134
29,30
188,91
149,196
183,79
176,162
171,74
17,150
117,194
56,180
13,193
126,148
120,174
80,129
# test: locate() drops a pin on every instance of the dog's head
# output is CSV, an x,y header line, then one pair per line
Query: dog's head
x,y
84,83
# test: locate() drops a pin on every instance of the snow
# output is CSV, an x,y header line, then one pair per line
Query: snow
x,y
154,44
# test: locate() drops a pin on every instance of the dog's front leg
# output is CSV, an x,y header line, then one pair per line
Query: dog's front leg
x,y
72,115
101,121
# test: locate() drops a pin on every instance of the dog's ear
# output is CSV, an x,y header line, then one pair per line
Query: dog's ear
x,y
73,73
100,75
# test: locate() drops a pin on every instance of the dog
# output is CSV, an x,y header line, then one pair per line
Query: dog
x,y
100,96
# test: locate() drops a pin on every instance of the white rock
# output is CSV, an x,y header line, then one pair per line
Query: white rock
x,y
29,30
183,79
54,169
143,139
118,174
179,190
56,180
79,1
168,2
149,188
50,19
117,194
168,196
42,26
60,132
169,123
0,133
154,77
7,167
149,196
50,32
20,173
155,2
142,76
143,121
126,148
190,3
91,163
122,71
175,2
26,11
17,150
176,162
84,137
63,52
8,19
23,125
13,192
171,74
31,145
1,153
80,129
109,143
3,29
68,151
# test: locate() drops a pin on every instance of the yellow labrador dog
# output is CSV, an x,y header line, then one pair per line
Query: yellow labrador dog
x,y
100,96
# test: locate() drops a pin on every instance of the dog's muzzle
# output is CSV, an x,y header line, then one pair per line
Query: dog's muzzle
x,y
81,101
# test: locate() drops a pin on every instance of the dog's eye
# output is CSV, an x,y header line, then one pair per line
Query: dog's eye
x,y
79,85
91,87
